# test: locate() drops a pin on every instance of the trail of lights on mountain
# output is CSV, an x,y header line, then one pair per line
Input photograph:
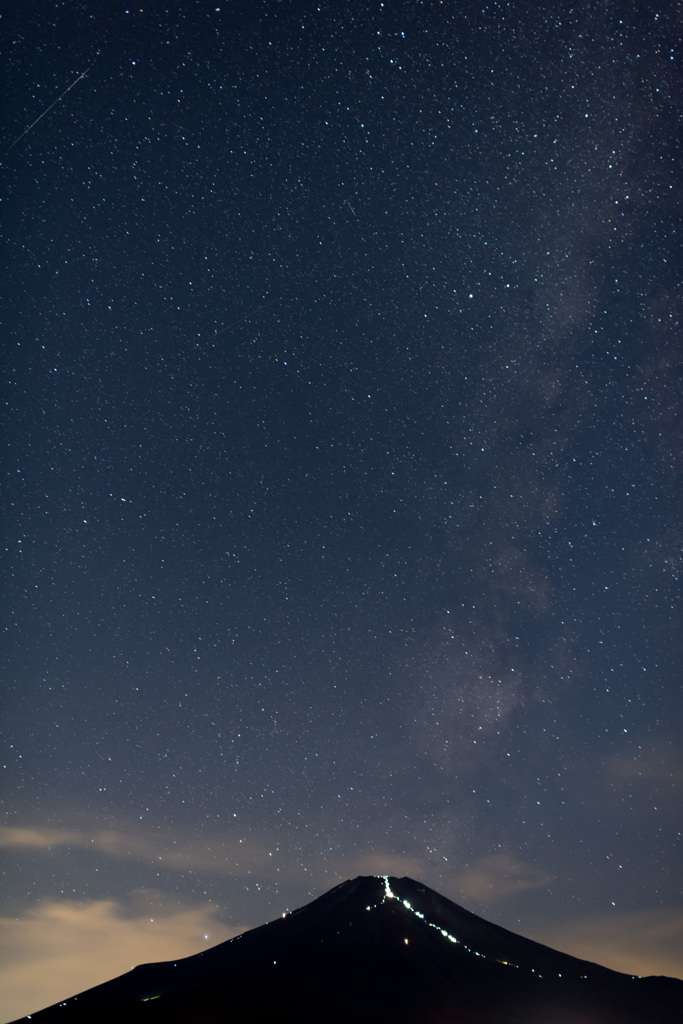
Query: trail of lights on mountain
x,y
389,894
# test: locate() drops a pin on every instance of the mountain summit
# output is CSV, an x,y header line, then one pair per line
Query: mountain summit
x,y
376,950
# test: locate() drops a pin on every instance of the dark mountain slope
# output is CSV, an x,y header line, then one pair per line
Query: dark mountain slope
x,y
381,950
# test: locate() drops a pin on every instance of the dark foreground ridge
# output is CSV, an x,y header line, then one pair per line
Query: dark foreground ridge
x,y
381,950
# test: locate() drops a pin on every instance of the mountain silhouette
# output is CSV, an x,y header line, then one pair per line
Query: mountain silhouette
x,y
376,950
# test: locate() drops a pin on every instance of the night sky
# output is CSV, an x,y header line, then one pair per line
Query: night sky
x,y
342,471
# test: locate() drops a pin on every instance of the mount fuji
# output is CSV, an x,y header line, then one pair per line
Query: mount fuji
x,y
375,950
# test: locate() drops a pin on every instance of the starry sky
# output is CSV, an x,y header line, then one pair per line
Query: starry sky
x,y
342,472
